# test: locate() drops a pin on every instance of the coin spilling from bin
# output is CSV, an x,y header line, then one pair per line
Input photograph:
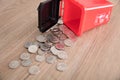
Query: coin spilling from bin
x,y
48,47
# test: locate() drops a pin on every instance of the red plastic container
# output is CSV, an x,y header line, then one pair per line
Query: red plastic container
x,y
82,15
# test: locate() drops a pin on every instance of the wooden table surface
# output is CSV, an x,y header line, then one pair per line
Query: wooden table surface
x,y
94,56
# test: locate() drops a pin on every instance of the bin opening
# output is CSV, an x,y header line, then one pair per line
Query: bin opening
x,y
72,16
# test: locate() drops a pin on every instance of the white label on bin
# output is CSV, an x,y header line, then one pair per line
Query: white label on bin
x,y
101,18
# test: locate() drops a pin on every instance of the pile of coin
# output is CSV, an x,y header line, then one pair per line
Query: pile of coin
x,y
49,47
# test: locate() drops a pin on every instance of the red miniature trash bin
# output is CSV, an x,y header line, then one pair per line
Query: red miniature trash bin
x,y
82,15
78,15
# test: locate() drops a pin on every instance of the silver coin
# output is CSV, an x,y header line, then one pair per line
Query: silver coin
x,y
68,32
62,55
68,42
54,50
33,70
27,44
55,30
61,67
26,63
54,39
47,33
41,43
49,44
25,56
43,0
60,21
40,52
40,58
51,59
57,33
41,38
45,47
59,46
48,36
32,48
63,37
36,43
14,64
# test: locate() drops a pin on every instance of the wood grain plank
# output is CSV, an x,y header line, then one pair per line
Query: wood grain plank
x,y
94,56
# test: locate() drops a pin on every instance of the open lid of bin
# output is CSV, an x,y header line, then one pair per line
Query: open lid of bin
x,y
48,14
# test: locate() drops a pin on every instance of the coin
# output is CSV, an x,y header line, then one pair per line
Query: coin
x,y
27,44
43,0
63,37
40,58
33,70
55,30
40,52
14,64
49,43
60,21
41,38
45,47
48,36
54,39
54,50
59,46
57,33
62,55
41,43
36,43
25,56
70,34
68,42
26,63
61,67
51,59
32,48
47,33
